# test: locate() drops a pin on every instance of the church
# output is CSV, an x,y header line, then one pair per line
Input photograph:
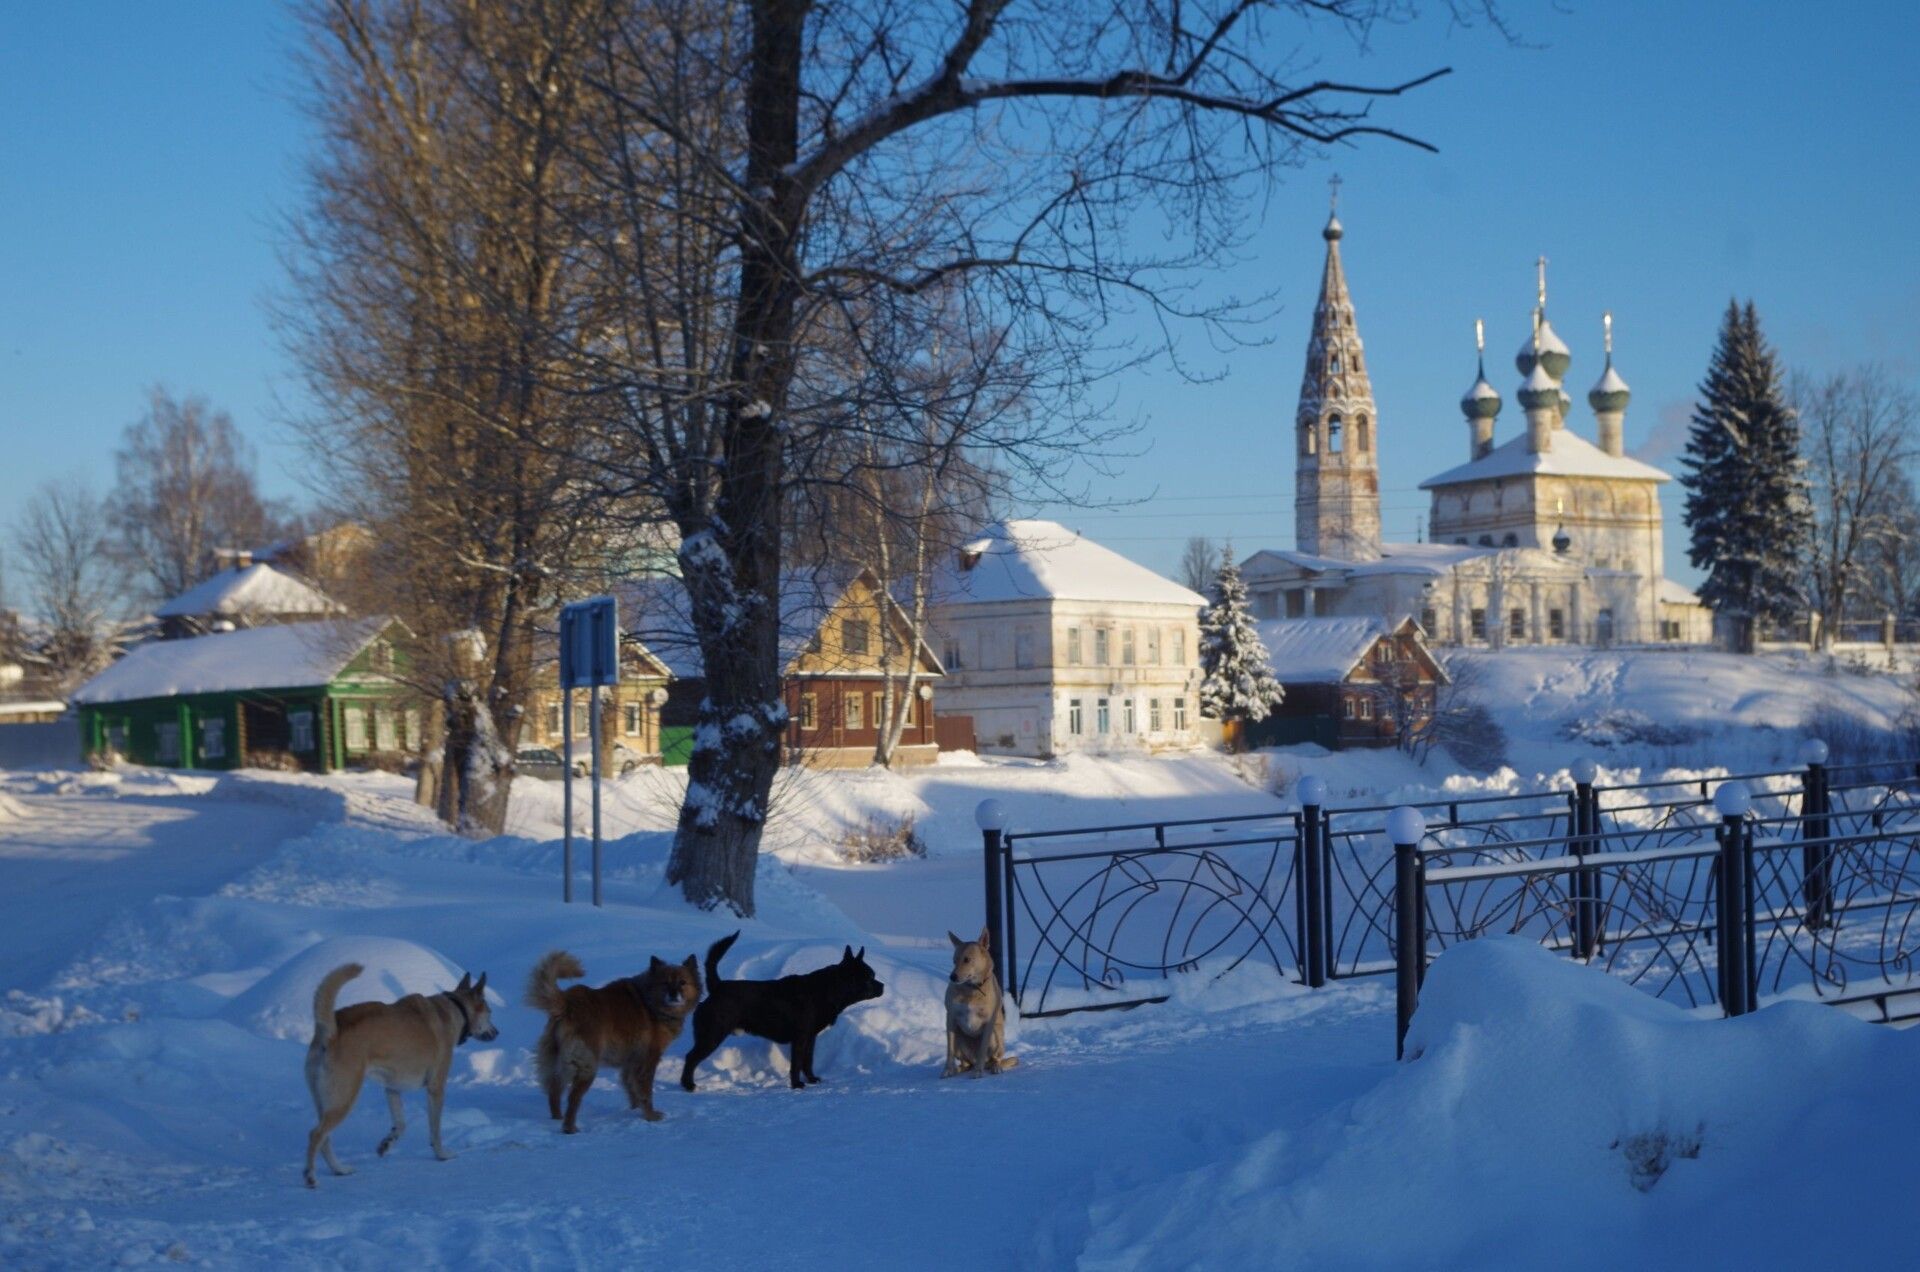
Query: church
x,y
1546,537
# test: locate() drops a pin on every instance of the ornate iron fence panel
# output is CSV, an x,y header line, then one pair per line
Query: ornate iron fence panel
x,y
1107,928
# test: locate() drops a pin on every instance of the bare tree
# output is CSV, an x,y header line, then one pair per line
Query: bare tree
x,y
186,487
74,584
1858,433
1199,562
1893,560
436,291
759,168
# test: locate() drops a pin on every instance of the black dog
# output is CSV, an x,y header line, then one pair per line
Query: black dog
x,y
794,1009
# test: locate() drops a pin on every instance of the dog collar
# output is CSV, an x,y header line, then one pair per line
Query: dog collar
x,y
466,1020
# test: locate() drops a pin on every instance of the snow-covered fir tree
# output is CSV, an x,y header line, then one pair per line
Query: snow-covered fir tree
x,y
1237,682
1747,502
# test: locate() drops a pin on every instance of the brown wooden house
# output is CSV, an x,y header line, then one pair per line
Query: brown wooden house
x,y
1349,681
840,643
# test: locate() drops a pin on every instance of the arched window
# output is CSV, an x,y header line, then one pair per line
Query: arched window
x,y
1486,540
1335,443
1360,441
1309,441
1511,541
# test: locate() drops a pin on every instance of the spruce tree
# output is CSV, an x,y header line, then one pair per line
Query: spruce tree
x,y
1748,509
1237,682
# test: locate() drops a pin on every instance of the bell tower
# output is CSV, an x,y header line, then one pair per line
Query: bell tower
x,y
1336,484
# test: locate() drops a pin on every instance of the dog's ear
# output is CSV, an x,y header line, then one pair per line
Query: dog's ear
x,y
466,983
692,965
654,964
480,986
846,954
986,940
861,957
957,942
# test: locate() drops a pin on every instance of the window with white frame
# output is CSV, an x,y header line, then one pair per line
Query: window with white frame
x,y
356,727
1153,715
553,719
1073,646
855,636
213,739
414,738
1022,648
1102,716
809,711
1153,646
950,655
166,742
1179,714
1126,647
1131,725
386,729
630,719
1102,647
1179,646
1075,724
855,707
300,731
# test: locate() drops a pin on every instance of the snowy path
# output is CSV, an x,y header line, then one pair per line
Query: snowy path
x,y
79,861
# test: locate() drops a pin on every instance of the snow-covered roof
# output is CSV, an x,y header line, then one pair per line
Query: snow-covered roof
x,y
32,708
287,656
1567,455
1395,558
1319,650
1672,593
256,589
657,612
1025,560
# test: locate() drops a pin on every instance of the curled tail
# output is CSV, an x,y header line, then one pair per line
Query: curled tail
x,y
324,1027
543,986
714,954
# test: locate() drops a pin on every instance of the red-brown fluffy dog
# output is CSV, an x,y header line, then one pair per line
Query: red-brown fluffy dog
x,y
627,1024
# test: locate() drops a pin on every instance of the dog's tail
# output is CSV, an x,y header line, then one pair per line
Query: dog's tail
x,y
1008,1062
324,1026
543,986
715,953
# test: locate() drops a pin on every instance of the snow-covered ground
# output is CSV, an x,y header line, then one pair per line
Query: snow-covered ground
x,y
160,936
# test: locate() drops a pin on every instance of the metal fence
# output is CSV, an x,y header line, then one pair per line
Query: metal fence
x,y
1809,887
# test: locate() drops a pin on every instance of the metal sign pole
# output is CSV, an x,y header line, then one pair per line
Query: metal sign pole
x,y
593,730
566,795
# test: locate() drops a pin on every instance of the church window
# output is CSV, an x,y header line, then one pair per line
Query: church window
x,y
1428,620
1511,540
1478,624
1557,624
1360,432
1334,364
1334,441
1517,623
1486,540
1308,439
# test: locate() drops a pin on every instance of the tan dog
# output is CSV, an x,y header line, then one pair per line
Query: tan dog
x,y
628,1025
404,1045
976,1013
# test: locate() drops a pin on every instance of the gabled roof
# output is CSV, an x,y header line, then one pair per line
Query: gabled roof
x,y
254,590
657,612
1567,455
1672,593
1326,650
1395,558
1029,560
287,656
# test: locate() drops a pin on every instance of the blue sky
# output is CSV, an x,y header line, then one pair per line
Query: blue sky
x,y
1663,156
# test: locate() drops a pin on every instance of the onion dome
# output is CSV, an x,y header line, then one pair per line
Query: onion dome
x,y
1553,352
1566,403
1610,393
1540,391
1334,229
1482,401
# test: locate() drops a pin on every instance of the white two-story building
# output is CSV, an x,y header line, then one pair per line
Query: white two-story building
x,y
1053,643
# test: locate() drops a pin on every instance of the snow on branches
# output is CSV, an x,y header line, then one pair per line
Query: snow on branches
x,y
1237,679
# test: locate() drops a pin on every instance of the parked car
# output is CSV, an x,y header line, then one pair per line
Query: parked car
x,y
545,763
621,758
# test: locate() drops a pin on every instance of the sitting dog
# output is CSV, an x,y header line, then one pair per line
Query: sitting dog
x,y
795,1010
976,1013
627,1024
403,1045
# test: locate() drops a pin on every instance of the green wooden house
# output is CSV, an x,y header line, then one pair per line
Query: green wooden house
x,y
304,696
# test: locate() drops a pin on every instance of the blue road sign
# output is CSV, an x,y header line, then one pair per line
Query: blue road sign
x,y
590,643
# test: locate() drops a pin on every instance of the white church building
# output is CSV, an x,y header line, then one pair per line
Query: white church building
x,y
1546,537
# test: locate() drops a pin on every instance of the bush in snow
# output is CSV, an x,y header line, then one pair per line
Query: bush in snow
x,y
1623,726
875,840
1237,679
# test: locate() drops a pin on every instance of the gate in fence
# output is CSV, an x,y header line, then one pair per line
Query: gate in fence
x,y
1718,893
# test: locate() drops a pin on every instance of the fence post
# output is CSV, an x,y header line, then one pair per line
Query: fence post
x,y
990,815
1406,828
1310,850
1732,802
1585,882
1815,861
